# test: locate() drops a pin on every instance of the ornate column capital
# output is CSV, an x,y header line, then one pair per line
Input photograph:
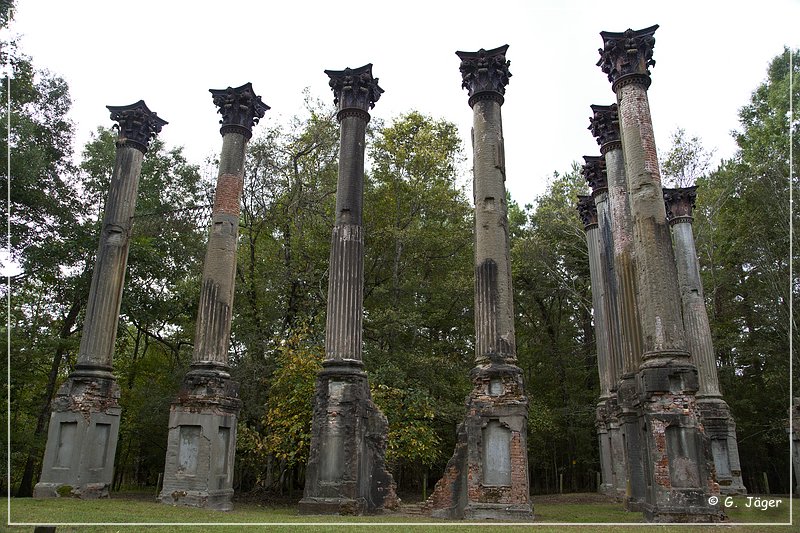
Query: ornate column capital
x,y
355,91
587,211
240,109
679,204
604,125
136,124
625,56
485,74
594,172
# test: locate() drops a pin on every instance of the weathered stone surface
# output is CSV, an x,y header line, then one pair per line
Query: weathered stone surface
x,y
604,125
84,424
715,413
346,472
81,439
201,443
487,477
680,468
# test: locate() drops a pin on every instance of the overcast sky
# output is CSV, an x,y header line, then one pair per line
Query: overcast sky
x,y
710,56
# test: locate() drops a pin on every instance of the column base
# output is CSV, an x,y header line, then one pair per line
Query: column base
x,y
346,472
201,445
690,507
332,506
487,477
217,500
499,511
680,465
721,429
81,439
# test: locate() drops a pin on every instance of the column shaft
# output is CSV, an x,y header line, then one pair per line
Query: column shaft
x,y
212,332
487,476
84,423
105,295
678,466
346,471
494,318
201,443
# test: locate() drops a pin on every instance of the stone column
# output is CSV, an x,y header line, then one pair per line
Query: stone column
x,y
679,467
202,420
487,477
609,357
346,472
717,419
604,125
84,424
587,210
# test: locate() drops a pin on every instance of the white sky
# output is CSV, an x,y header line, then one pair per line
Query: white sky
x,y
710,56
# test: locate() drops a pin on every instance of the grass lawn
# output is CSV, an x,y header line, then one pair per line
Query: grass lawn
x,y
561,510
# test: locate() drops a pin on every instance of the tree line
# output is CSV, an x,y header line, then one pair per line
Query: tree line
x,y
418,321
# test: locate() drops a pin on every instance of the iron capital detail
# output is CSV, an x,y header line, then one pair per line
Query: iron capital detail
x,y
136,124
240,108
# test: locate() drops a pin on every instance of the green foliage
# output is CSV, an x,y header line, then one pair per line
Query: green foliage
x,y
555,337
411,439
741,227
685,162
290,405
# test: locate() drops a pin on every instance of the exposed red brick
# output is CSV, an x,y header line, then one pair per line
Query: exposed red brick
x,y
229,193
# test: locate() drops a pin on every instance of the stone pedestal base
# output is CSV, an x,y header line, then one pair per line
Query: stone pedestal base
x,y
683,506
82,438
201,444
346,473
612,454
681,469
633,444
487,477
721,429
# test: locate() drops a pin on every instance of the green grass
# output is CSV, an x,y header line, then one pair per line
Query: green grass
x,y
576,509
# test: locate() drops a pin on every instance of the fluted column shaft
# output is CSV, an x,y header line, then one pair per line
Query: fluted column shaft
x,y
588,211
105,295
624,270
212,333
695,316
344,322
656,275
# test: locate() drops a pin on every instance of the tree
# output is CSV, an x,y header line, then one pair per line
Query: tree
x,y
686,161
555,336
741,224
418,326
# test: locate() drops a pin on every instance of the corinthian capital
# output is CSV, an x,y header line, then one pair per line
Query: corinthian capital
x,y
485,73
604,124
587,211
679,204
594,172
136,124
354,88
240,109
625,57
